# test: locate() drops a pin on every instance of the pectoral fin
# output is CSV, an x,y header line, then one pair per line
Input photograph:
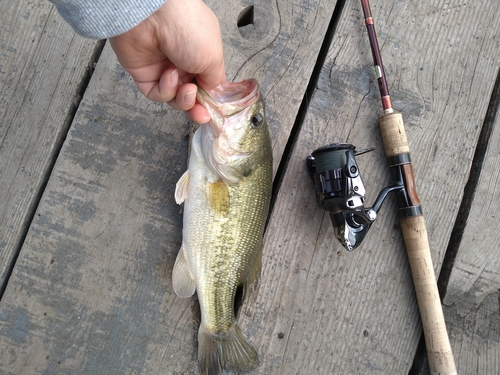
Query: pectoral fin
x,y
181,188
218,197
182,279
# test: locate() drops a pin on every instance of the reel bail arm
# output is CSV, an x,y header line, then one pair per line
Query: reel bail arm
x,y
340,191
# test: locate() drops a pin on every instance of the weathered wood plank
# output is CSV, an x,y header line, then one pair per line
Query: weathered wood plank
x,y
91,292
332,312
475,336
42,65
279,49
472,295
476,270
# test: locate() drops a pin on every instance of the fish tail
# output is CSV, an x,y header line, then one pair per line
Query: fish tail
x,y
230,351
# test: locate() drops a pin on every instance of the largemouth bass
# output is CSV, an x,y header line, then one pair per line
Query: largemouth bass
x,y
226,192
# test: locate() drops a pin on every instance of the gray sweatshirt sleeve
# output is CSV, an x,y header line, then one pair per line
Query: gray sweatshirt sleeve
x,y
100,19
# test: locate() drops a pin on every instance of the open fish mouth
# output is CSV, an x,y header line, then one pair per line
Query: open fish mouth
x,y
229,98
225,139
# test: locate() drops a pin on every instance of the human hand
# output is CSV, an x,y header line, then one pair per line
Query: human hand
x,y
164,53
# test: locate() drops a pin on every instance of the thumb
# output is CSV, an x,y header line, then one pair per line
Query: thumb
x,y
213,76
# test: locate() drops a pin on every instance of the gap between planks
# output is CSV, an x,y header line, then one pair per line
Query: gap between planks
x,y
75,103
304,105
420,364
470,187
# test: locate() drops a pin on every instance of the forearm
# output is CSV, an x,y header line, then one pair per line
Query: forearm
x,y
100,19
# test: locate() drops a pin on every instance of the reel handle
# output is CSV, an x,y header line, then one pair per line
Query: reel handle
x,y
412,222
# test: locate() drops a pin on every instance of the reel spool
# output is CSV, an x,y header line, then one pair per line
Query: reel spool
x,y
340,191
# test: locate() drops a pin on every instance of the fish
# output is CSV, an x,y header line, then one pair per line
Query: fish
x,y
226,192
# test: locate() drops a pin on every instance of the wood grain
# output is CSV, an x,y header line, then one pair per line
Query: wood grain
x,y
475,336
279,49
333,312
42,65
472,294
91,292
476,271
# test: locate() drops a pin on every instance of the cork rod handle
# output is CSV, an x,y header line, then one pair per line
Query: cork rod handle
x,y
441,359
439,351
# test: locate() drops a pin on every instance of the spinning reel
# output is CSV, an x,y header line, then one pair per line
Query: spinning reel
x,y
340,191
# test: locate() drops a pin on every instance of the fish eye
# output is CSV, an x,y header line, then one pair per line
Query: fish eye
x,y
257,120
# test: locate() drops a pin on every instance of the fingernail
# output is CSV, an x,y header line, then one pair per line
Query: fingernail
x,y
173,79
190,97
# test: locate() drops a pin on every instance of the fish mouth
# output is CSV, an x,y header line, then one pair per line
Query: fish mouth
x,y
229,98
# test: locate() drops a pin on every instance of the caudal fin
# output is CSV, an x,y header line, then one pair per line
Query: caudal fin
x,y
226,352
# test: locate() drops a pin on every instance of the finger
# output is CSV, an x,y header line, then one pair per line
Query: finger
x,y
213,76
185,98
194,110
198,114
162,90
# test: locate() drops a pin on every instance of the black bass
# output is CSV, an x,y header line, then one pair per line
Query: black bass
x,y
226,192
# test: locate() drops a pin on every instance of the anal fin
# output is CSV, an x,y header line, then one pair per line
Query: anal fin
x,y
182,279
252,276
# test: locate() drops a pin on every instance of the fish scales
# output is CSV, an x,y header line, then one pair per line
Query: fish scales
x,y
226,193
229,237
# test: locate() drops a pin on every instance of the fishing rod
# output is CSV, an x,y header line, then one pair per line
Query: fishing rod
x,y
412,221
340,191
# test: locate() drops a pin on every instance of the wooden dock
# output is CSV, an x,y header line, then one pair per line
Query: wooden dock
x,y
89,228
